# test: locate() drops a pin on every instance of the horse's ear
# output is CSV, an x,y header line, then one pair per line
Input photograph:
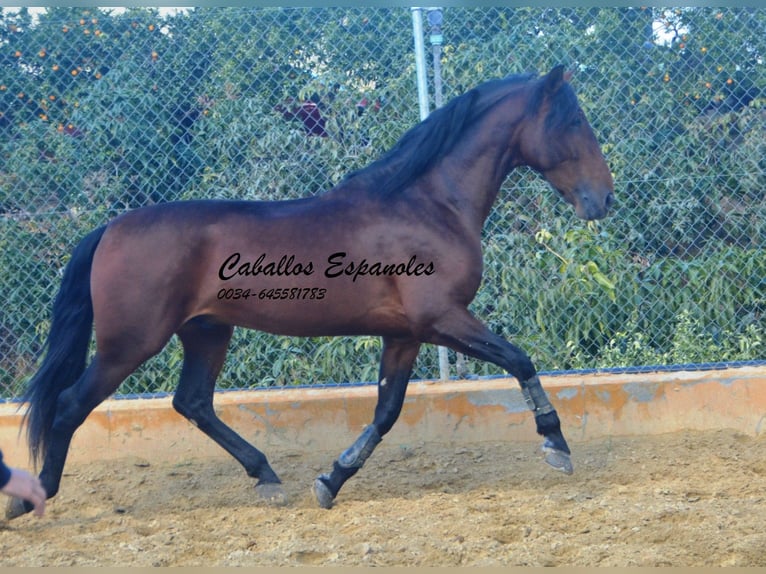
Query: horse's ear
x,y
555,79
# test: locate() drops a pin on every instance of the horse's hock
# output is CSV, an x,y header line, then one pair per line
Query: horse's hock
x,y
590,405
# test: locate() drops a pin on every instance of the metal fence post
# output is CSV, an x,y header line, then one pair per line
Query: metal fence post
x,y
420,62
420,69
435,19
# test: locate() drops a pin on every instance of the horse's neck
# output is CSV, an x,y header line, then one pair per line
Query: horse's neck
x,y
473,173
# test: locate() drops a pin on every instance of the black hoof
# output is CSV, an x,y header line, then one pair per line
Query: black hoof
x,y
15,508
322,492
558,459
271,493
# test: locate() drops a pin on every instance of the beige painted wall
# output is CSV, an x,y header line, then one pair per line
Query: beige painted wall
x,y
329,419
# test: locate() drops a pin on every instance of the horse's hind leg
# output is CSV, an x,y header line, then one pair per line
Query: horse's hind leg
x,y
462,332
74,404
395,368
205,344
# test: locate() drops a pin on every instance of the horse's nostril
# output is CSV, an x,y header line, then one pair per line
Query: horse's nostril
x,y
609,201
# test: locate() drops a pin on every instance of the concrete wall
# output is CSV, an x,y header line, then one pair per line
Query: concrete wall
x,y
590,406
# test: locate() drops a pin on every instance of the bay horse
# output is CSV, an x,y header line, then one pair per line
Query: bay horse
x,y
393,250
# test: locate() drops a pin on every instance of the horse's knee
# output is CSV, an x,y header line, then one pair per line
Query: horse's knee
x,y
522,366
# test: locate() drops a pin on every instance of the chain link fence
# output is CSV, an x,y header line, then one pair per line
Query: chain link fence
x,y
106,110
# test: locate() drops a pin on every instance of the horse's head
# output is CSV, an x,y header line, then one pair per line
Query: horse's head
x,y
558,142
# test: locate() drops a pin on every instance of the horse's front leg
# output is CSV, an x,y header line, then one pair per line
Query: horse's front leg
x,y
395,369
462,332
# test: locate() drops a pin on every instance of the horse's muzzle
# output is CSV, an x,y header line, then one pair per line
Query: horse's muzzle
x,y
593,204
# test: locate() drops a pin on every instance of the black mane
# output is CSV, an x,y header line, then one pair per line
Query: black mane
x,y
560,115
424,144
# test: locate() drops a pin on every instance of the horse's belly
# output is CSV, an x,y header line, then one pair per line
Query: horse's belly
x,y
309,309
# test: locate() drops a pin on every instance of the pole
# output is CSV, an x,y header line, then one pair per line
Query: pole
x,y
436,19
420,61
420,72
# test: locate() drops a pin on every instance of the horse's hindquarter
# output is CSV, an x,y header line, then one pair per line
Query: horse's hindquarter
x,y
304,268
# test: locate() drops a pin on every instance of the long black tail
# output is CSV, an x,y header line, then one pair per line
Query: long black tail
x,y
67,345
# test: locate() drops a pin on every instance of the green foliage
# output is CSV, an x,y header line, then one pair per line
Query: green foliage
x,y
101,111
690,342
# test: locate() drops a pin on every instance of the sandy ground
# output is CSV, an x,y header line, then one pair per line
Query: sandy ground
x,y
677,500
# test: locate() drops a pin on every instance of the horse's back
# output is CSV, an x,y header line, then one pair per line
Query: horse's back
x,y
168,263
204,211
